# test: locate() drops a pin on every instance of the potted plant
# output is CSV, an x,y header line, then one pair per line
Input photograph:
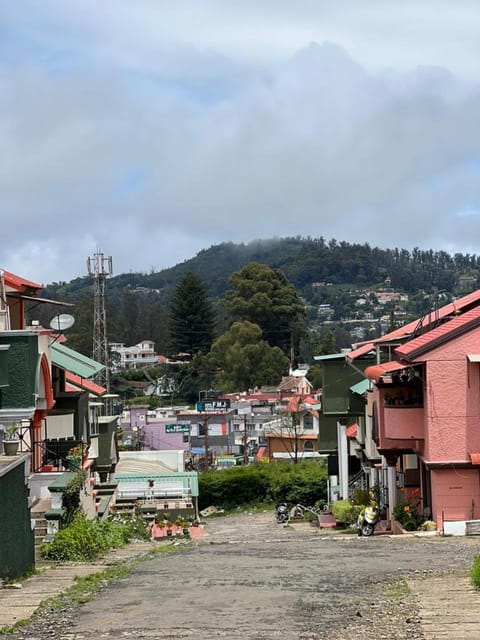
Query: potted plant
x,y
75,457
11,440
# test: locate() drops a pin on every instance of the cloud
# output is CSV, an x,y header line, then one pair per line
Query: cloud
x,y
143,130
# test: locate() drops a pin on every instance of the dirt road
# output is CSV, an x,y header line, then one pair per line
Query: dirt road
x,y
250,579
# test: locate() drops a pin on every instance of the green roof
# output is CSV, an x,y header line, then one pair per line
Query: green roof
x,y
361,387
331,356
74,362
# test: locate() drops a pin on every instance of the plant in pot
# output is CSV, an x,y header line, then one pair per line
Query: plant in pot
x,y
183,525
11,440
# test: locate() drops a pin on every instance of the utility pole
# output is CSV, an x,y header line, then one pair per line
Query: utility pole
x,y
245,440
207,453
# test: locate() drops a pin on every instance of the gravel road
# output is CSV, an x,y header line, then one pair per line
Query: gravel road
x,y
251,579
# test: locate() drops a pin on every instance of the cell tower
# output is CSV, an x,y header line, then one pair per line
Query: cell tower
x,y
99,268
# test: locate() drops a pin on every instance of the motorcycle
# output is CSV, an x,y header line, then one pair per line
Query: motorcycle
x,y
367,519
282,514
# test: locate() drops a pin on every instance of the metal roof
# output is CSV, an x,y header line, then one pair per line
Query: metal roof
x,y
361,387
74,362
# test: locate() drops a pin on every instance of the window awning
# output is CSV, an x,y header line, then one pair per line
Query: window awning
x,y
378,371
74,362
361,387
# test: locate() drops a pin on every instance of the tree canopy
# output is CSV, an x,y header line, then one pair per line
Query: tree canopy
x,y
192,319
265,297
245,361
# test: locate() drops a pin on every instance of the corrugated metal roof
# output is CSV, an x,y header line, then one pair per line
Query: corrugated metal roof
x,y
331,356
361,387
445,332
19,283
70,360
87,385
376,371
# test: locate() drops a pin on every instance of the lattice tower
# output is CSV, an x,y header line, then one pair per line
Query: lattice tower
x,y
99,268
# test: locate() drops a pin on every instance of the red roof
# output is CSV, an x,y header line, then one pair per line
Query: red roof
x,y
460,305
444,333
87,385
352,430
18,283
376,371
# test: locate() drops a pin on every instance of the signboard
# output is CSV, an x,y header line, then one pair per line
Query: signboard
x,y
177,428
213,405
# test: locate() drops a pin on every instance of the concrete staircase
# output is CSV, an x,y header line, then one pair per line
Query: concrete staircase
x,y
37,513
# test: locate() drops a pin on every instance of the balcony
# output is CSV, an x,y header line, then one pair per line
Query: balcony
x,y
404,423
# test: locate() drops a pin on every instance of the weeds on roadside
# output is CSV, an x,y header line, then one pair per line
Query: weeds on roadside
x,y
397,590
475,572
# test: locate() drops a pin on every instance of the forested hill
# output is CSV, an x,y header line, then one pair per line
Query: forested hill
x,y
303,261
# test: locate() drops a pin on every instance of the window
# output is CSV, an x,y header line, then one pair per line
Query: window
x,y
308,421
308,445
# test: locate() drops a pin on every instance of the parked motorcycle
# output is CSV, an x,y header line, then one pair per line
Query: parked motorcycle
x,y
367,519
282,514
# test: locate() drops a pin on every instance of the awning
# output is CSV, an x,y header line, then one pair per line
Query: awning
x,y
361,387
261,453
378,371
75,362
13,294
85,385
352,430
473,357
361,351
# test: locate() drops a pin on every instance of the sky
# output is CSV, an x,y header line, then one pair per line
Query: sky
x,y
149,130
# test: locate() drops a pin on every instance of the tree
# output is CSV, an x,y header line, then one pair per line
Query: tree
x,y
191,319
244,361
265,297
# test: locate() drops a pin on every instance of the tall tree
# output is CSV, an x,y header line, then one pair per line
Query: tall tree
x,y
192,319
265,297
244,361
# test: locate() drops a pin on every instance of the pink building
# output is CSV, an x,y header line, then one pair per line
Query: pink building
x,y
425,410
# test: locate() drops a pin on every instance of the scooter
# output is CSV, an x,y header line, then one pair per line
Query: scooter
x,y
367,519
282,514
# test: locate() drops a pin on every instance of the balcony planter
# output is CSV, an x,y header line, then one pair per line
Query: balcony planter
x,y
11,441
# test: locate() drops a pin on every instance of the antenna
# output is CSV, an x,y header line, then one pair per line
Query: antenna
x,y
62,322
100,267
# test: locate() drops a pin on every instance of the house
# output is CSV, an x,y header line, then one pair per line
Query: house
x,y
139,355
51,418
293,435
424,409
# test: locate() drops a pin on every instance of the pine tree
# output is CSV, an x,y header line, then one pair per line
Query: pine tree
x,y
191,319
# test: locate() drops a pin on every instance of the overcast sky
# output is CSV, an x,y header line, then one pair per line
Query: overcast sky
x,y
151,129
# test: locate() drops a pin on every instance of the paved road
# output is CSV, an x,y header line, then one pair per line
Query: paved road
x,y
250,579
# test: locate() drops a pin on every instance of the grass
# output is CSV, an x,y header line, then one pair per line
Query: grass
x,y
475,572
395,591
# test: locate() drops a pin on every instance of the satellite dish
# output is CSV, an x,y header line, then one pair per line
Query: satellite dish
x,y
61,322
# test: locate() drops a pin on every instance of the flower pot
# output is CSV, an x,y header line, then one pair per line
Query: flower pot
x,y
10,447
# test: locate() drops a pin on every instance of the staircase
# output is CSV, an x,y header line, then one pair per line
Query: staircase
x,y
37,512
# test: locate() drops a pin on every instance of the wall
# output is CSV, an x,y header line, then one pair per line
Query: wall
x,y
456,492
17,537
452,401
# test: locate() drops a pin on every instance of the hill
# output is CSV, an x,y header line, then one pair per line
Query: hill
x,y
304,261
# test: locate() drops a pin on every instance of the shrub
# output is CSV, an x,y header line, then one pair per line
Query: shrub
x,y
305,482
475,572
346,512
85,540
405,513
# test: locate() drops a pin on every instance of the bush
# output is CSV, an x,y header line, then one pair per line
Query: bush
x,y
86,540
405,513
278,482
475,572
346,512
